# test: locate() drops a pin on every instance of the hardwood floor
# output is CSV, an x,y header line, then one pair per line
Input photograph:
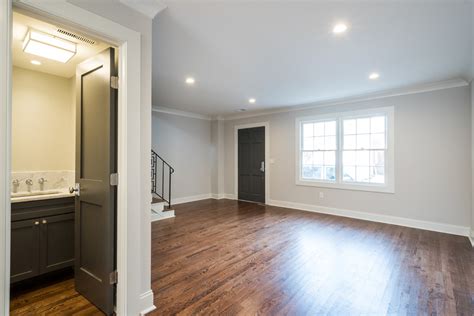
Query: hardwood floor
x,y
54,295
236,258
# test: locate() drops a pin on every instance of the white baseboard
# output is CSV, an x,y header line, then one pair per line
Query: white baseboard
x,y
193,198
146,303
387,219
471,238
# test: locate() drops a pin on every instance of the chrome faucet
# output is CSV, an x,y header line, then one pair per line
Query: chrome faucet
x,y
42,180
16,182
29,182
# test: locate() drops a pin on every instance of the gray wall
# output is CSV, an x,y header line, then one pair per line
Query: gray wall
x,y
432,156
186,144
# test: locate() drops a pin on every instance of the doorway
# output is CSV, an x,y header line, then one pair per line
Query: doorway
x,y
251,174
64,162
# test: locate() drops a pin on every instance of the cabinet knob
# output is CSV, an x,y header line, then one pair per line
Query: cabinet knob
x,y
37,223
45,221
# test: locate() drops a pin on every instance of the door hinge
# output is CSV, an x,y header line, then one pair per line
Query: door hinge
x,y
113,277
114,179
114,82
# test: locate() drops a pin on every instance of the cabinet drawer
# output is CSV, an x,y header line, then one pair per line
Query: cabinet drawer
x,y
35,209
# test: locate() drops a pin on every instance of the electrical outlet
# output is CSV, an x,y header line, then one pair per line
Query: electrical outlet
x,y
321,195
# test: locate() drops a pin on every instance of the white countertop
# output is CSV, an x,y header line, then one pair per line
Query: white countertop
x,y
40,195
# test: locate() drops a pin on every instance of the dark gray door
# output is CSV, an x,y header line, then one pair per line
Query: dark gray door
x,y
251,167
95,220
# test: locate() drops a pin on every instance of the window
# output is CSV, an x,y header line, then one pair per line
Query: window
x,y
347,150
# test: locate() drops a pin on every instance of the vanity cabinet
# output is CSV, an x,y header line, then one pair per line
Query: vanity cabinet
x,y
42,237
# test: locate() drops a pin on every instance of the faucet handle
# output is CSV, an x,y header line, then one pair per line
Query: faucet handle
x,y
16,182
42,180
29,182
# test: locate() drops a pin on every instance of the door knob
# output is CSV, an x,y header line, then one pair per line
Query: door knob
x,y
262,166
76,189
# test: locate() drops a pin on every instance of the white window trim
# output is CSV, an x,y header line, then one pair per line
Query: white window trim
x,y
387,187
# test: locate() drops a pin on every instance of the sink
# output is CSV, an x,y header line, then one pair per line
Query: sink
x,y
34,193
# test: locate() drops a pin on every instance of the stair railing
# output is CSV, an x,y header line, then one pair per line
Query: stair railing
x,y
159,187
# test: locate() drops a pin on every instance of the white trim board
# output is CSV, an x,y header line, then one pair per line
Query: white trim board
x,y
5,148
267,156
375,95
387,219
162,109
193,198
471,238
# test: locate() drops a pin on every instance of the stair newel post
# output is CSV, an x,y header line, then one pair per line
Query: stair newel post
x,y
163,179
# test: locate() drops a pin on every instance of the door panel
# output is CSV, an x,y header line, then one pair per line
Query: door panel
x,y
57,242
251,154
25,249
96,108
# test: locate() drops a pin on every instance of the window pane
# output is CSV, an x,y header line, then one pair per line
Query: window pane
x,y
330,143
377,124
349,127
349,174
363,126
377,141
307,158
319,143
330,128
308,143
318,158
330,173
350,142
307,172
362,158
377,158
317,172
363,141
319,129
377,174
349,158
362,174
308,130
329,158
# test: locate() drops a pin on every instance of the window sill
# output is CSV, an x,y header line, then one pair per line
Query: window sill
x,y
346,186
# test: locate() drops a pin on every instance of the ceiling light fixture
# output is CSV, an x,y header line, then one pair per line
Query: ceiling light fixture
x,y
48,46
252,100
190,80
339,28
374,76
35,62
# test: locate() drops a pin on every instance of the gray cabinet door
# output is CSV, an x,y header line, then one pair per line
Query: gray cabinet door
x,y
25,250
96,109
251,164
57,242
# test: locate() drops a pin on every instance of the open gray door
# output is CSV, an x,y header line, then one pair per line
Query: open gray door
x,y
95,221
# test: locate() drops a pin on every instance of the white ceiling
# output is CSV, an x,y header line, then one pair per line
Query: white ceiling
x,y
284,53
21,23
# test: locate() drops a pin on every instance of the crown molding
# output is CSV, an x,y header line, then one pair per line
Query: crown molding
x,y
149,8
163,109
428,87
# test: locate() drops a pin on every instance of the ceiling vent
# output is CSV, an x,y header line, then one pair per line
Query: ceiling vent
x,y
77,37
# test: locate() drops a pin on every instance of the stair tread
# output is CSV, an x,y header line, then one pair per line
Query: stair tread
x,y
156,200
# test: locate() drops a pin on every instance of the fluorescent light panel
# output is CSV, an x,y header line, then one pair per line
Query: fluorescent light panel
x,y
48,46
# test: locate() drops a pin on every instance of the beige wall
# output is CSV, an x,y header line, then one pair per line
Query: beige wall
x,y
432,159
43,128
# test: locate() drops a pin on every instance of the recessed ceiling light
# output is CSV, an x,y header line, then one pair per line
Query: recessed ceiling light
x,y
374,76
339,28
252,100
48,46
190,80
35,62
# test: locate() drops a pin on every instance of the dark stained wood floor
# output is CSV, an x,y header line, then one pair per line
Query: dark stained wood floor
x,y
236,258
54,295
